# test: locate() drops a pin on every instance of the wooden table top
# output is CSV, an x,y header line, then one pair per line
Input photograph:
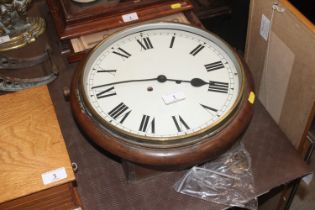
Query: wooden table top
x,y
31,143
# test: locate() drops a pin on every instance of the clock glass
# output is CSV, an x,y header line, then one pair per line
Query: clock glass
x,y
162,82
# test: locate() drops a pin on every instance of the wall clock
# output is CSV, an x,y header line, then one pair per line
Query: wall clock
x,y
166,95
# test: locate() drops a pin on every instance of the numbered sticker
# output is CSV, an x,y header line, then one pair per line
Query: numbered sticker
x,y
130,17
54,175
308,179
4,39
173,97
264,27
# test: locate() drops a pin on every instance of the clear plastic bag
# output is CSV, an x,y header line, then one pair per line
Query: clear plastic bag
x,y
227,180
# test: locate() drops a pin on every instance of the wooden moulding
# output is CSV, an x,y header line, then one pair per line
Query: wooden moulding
x,y
165,158
298,15
70,26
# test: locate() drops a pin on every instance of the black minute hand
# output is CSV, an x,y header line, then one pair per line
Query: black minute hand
x,y
125,81
196,82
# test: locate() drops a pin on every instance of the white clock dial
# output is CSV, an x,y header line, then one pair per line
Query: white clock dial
x,y
162,83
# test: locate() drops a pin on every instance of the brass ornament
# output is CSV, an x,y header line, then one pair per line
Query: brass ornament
x,y
17,30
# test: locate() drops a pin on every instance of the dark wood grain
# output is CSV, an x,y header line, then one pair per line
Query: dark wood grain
x,y
75,12
94,23
75,57
58,198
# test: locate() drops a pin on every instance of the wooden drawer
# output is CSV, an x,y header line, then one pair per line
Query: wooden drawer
x,y
62,197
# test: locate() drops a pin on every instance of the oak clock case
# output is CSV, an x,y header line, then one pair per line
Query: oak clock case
x,y
163,95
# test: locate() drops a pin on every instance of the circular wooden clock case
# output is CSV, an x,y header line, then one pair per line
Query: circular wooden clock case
x,y
163,95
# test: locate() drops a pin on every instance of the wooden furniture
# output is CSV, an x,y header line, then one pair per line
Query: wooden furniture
x,y
82,44
31,144
73,19
77,19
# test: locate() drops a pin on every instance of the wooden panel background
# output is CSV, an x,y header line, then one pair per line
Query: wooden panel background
x,y
290,27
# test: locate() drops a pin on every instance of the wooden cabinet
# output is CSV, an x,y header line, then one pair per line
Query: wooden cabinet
x,y
31,145
73,20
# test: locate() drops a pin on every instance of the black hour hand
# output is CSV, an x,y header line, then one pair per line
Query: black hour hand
x,y
197,82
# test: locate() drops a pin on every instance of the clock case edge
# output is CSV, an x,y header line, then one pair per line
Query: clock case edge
x,y
166,158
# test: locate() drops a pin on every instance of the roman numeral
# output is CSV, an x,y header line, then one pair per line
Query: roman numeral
x,y
172,42
106,71
209,108
121,52
106,93
214,66
180,123
121,111
145,43
221,87
146,124
197,50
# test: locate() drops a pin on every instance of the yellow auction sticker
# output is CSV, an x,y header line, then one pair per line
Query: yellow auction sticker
x,y
251,97
176,6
